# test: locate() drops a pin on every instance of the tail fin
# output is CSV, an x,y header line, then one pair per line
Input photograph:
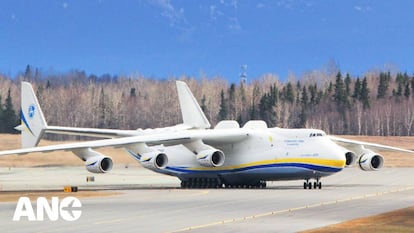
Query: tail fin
x,y
33,122
192,114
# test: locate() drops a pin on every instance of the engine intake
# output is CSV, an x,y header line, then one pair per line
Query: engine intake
x,y
371,161
154,160
210,158
350,158
99,164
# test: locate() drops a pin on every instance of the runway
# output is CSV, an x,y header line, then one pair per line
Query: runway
x,y
153,203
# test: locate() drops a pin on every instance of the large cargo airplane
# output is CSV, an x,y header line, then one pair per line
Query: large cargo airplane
x,y
226,156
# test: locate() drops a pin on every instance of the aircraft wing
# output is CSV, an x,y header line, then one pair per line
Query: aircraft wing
x,y
353,144
92,132
168,139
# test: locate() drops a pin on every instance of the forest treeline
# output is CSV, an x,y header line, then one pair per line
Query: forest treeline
x,y
378,103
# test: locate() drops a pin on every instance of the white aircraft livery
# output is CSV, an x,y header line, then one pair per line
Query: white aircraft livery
x,y
226,156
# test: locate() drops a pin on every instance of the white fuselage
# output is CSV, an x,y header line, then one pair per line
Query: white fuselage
x,y
266,154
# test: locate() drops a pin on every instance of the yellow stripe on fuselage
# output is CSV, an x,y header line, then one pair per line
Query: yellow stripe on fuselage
x,y
312,161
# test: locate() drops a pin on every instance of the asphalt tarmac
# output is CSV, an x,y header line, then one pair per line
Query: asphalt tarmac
x,y
150,202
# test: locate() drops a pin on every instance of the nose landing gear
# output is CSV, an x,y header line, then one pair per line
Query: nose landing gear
x,y
316,185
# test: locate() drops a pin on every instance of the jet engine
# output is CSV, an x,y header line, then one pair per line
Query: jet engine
x,y
154,160
210,158
369,161
350,158
99,164
95,162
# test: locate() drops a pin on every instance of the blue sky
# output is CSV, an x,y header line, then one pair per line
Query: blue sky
x,y
164,38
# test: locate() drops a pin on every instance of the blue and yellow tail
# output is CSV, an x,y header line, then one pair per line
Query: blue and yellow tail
x,y
33,123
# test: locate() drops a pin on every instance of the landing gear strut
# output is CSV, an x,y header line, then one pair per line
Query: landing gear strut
x,y
316,185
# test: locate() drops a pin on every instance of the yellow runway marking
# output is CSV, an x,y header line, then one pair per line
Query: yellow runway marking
x,y
241,219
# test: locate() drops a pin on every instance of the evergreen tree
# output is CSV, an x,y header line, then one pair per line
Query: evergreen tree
x,y
28,73
9,116
357,90
232,102
412,84
203,104
304,98
37,75
407,90
298,88
223,107
274,94
304,105
133,92
289,95
340,97
313,94
400,82
365,94
298,85
266,108
347,84
383,85
399,89
48,84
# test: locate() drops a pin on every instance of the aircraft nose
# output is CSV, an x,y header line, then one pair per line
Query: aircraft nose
x,y
336,153
339,155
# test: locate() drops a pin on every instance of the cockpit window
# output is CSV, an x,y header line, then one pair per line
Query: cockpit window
x,y
316,135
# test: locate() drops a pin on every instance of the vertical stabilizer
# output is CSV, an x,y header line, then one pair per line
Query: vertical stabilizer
x,y
192,114
33,122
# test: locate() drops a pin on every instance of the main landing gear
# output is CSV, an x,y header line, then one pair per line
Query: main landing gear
x,y
201,182
255,185
316,185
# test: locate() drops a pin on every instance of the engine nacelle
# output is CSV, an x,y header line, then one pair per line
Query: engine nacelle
x,y
350,158
154,160
370,161
99,163
210,158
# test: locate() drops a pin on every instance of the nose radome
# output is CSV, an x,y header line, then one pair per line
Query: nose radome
x,y
336,152
340,156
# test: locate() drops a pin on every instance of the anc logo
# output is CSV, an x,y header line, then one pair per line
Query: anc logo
x,y
31,111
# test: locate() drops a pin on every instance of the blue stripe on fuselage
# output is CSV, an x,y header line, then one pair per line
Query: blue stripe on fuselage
x,y
294,165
